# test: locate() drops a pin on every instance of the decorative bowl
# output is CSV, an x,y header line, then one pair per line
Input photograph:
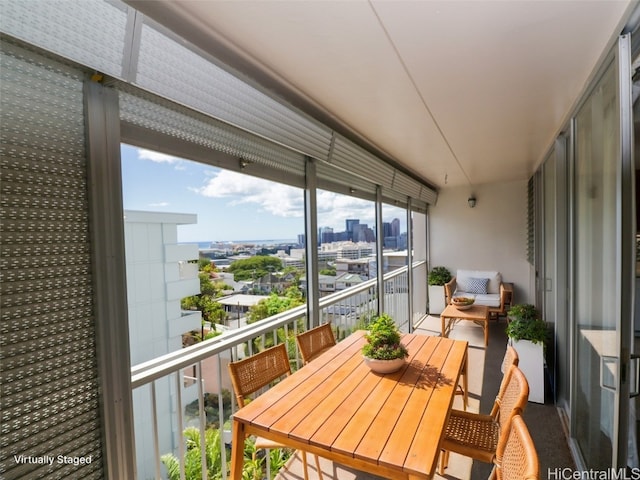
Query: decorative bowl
x,y
384,366
463,303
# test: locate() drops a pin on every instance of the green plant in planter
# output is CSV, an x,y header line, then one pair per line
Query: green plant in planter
x,y
526,324
439,276
383,340
523,311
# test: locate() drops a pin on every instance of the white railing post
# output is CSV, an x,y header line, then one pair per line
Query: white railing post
x,y
203,422
154,424
180,422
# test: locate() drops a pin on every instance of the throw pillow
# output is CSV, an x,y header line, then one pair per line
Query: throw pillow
x,y
477,285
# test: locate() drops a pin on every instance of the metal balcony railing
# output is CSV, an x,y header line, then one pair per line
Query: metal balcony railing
x,y
164,405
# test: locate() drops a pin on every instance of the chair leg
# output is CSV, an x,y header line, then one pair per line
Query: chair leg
x,y
444,461
318,467
304,465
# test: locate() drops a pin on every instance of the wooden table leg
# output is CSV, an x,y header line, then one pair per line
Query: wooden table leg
x,y
237,450
465,381
486,330
443,319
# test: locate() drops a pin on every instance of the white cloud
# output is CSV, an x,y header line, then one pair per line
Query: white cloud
x,y
274,198
334,209
159,204
284,201
157,157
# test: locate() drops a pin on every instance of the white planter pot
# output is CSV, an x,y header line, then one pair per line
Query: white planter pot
x,y
384,366
436,299
532,365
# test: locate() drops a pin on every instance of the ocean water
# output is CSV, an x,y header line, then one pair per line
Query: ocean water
x,y
207,244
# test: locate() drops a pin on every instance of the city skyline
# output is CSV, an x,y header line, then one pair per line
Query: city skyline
x,y
251,209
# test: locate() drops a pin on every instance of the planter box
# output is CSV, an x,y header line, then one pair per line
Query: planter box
x,y
436,299
532,365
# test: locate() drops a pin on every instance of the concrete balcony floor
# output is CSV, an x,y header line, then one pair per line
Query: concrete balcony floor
x,y
543,421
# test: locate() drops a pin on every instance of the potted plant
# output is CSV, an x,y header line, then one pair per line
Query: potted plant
x,y
384,352
436,279
527,333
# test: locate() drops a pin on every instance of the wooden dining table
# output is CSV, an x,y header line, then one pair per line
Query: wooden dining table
x,y
390,425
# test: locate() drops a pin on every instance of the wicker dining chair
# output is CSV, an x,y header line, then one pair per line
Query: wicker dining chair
x,y
516,456
510,358
255,372
314,342
476,435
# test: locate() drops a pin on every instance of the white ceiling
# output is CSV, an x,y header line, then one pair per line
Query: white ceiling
x,y
457,92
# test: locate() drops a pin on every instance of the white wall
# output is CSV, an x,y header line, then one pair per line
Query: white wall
x,y
491,236
155,285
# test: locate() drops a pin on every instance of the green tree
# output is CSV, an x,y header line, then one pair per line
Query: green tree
x,y
205,262
328,271
207,287
254,267
275,304
212,311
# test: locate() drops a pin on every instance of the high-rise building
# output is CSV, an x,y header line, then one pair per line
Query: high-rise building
x,y
325,235
386,230
395,227
351,225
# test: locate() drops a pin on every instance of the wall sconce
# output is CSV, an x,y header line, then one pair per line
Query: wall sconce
x,y
472,201
244,163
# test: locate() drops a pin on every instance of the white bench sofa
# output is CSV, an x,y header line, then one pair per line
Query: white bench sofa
x,y
484,285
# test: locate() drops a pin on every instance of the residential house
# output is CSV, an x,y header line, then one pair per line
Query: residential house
x,y
347,280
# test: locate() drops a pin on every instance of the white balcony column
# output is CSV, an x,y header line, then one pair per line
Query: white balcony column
x,y
111,317
379,241
311,244
409,266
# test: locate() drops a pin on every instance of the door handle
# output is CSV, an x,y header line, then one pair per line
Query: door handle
x,y
634,375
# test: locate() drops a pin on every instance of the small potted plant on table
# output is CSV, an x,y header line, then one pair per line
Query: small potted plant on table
x,y
527,333
384,352
438,277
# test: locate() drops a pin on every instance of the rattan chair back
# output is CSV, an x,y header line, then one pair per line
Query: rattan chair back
x,y
512,398
251,374
516,456
510,358
315,341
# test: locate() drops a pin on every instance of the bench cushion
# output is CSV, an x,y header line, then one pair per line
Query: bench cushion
x,y
490,299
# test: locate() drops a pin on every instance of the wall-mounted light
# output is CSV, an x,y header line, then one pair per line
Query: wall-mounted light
x,y
471,201
243,163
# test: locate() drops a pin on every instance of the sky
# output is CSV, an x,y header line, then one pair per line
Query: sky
x,y
231,206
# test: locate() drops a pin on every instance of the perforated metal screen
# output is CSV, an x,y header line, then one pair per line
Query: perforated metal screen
x,y
48,373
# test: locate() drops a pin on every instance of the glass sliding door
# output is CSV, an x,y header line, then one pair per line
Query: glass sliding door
x,y
549,287
599,417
